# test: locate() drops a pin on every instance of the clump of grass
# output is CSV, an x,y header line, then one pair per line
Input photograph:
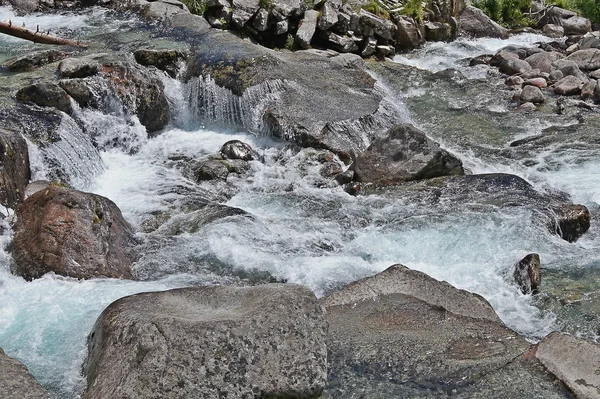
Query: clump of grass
x,y
266,4
414,9
197,7
374,8
511,13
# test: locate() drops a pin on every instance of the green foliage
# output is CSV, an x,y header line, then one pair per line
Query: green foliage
x,y
195,6
414,8
589,9
266,4
289,42
506,12
374,8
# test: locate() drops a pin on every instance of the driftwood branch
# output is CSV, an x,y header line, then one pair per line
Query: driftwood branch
x,y
21,32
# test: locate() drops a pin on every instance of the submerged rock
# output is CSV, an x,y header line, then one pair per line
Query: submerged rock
x,y
402,334
574,361
16,382
71,233
14,171
526,274
265,341
404,153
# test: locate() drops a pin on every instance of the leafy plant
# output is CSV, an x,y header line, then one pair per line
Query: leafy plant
x,y
195,6
266,4
375,8
289,42
510,13
414,8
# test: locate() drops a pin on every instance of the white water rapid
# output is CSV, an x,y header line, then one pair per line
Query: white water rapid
x,y
301,229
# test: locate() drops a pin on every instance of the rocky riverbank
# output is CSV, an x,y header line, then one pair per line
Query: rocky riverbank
x,y
399,333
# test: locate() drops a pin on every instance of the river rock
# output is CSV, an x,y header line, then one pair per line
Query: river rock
x,y
165,60
527,275
543,60
402,334
79,90
554,31
576,25
571,221
78,68
14,173
306,29
532,94
574,361
284,9
16,382
569,68
381,28
236,149
265,341
568,86
513,66
270,84
46,94
587,59
474,23
329,16
140,90
587,91
503,55
409,34
35,60
243,11
71,233
404,153
537,82
527,107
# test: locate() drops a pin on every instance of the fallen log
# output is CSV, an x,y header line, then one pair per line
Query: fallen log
x,y
36,36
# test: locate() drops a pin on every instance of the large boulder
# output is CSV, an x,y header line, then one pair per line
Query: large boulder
x,y
568,86
16,382
409,34
265,341
571,23
14,172
404,153
46,94
514,65
306,29
474,23
73,234
543,60
586,59
308,98
574,361
402,334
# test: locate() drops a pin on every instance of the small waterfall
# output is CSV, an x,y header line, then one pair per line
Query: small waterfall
x,y
208,104
69,157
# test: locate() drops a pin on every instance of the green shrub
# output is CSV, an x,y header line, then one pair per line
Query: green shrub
x,y
195,6
506,12
374,8
414,8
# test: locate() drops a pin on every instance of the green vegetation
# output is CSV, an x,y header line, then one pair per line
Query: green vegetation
x,y
506,12
195,6
414,9
289,42
375,8
266,4
589,9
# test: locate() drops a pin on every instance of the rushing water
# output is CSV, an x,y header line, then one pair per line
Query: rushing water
x,y
302,229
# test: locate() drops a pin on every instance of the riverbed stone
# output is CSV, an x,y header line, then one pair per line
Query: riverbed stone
x,y
265,341
235,149
526,274
586,59
35,60
71,233
16,382
543,60
540,83
78,68
403,334
307,28
46,94
79,90
568,86
474,23
532,94
404,153
574,361
570,221
554,31
14,171
165,60
513,66
576,25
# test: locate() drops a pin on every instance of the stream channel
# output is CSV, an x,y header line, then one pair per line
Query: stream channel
x,y
299,227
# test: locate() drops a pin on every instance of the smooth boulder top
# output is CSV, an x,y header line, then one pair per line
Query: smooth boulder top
x,y
16,382
263,341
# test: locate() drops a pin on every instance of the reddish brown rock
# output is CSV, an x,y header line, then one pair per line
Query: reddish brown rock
x,y
71,233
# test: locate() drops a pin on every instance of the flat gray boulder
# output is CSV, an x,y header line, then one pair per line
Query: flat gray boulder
x,y
16,382
574,361
474,23
404,153
265,341
402,334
